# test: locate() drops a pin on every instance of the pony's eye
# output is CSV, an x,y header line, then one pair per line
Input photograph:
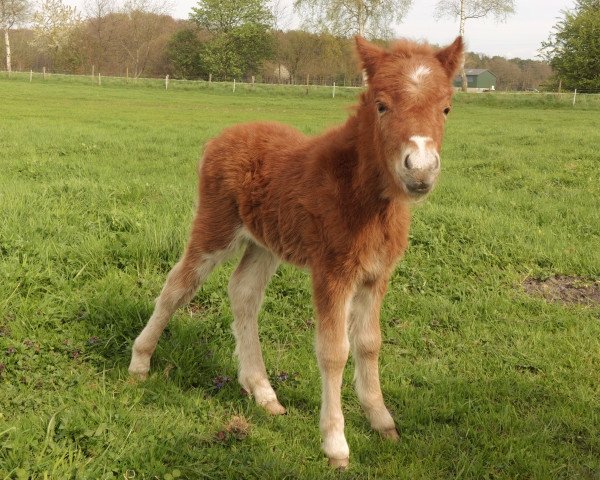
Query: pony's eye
x,y
381,107
446,110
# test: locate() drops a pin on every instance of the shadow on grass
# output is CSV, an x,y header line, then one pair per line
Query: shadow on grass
x,y
194,352
483,418
188,350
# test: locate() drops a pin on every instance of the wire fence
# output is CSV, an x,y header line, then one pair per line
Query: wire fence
x,y
584,97
167,83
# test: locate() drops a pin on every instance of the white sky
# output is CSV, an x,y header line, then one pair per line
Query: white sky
x,y
520,36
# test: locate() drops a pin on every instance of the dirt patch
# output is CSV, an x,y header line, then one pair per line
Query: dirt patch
x,y
238,428
564,289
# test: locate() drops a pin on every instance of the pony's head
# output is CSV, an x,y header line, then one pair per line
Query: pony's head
x,y
404,109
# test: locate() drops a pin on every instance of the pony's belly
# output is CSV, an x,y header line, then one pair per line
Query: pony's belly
x,y
289,251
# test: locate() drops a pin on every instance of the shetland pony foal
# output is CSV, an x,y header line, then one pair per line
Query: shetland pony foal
x,y
337,204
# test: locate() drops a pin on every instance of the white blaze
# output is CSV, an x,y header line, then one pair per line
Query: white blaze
x,y
420,72
423,157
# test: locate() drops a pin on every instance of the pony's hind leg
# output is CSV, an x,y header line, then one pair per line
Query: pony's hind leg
x,y
202,255
246,292
181,285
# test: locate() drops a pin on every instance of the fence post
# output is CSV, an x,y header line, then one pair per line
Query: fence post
x,y
209,79
99,79
127,75
44,72
307,82
234,85
30,75
333,94
252,82
93,76
167,82
574,97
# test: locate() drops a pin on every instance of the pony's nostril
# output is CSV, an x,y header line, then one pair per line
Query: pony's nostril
x,y
407,162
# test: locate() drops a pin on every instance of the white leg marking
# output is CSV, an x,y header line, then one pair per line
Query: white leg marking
x,y
365,336
178,290
332,348
246,292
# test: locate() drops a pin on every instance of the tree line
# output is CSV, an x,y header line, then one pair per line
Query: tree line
x,y
573,48
228,39
514,74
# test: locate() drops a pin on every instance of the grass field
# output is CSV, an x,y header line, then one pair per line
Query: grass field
x,y
97,189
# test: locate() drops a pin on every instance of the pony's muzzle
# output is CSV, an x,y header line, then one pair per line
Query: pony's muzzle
x,y
418,166
421,179
431,161
419,187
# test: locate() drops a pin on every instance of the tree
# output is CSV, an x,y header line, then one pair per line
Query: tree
x,y
12,12
53,24
508,74
573,48
145,25
219,16
240,32
587,4
184,51
99,32
473,9
367,18
296,49
133,38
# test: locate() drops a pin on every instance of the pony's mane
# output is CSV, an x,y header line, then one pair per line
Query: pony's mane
x,y
407,48
415,77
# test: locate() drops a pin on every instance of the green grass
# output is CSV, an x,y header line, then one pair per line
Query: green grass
x,y
97,189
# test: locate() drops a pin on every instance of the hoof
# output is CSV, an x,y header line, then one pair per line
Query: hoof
x,y
339,463
138,375
391,434
139,366
274,408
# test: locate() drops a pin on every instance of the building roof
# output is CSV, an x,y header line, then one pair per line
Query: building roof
x,y
476,79
477,71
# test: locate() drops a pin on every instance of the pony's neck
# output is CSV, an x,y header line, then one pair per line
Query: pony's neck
x,y
370,174
352,156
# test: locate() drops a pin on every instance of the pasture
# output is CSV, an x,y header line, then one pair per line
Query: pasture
x,y
97,190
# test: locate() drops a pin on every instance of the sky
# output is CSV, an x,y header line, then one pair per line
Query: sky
x,y
520,36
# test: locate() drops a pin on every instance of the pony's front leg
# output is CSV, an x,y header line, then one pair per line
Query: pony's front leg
x,y
332,302
365,337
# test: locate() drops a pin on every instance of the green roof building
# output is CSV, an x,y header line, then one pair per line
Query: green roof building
x,y
478,80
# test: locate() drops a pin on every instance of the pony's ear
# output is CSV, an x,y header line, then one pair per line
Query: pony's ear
x,y
452,56
369,54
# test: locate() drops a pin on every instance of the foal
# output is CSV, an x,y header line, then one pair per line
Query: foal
x,y
337,204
